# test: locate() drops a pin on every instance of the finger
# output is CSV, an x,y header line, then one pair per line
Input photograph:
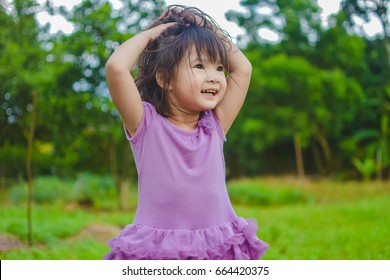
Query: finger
x,y
157,30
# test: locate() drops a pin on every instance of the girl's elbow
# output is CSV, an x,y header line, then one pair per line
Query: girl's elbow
x,y
111,67
246,69
248,66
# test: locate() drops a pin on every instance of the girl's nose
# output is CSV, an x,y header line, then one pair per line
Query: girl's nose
x,y
212,76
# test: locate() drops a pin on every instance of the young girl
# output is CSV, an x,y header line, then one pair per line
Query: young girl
x,y
191,84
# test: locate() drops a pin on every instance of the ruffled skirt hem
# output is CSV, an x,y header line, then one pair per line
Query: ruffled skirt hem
x,y
234,240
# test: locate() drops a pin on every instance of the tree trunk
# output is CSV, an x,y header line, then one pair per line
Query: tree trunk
x,y
298,155
125,178
28,168
326,151
123,191
379,166
317,158
121,178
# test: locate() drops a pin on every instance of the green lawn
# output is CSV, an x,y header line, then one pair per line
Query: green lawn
x,y
300,220
355,230
338,221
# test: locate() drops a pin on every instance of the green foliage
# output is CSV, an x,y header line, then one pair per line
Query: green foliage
x,y
367,10
12,157
289,95
337,48
296,22
366,167
95,190
45,190
90,190
253,193
67,71
369,149
325,84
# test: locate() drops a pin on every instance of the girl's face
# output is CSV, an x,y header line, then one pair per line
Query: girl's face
x,y
199,84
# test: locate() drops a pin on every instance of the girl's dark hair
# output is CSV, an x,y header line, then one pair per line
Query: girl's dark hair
x,y
194,28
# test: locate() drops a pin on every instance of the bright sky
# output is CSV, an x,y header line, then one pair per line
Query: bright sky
x,y
216,9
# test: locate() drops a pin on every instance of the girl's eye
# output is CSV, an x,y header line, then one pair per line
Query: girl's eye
x,y
199,66
220,68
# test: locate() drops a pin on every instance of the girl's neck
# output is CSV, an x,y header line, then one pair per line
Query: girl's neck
x,y
185,122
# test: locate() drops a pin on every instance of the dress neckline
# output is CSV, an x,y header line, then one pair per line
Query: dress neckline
x,y
205,123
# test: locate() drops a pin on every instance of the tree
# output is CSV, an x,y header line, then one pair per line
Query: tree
x,y
296,22
28,167
349,77
87,113
376,84
290,100
77,126
367,10
25,76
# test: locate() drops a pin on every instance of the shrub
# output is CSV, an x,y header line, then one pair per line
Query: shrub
x,y
256,194
95,190
45,190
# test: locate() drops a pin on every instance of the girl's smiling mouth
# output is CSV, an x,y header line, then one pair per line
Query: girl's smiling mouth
x,y
209,91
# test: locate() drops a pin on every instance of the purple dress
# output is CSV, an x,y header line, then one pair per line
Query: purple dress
x,y
184,211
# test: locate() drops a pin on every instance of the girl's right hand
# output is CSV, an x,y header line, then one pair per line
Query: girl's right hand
x,y
123,91
154,32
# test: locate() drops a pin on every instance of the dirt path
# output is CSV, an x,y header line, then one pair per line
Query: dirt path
x,y
99,232
10,242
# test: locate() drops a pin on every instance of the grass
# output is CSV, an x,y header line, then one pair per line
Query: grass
x,y
339,221
300,220
67,250
356,230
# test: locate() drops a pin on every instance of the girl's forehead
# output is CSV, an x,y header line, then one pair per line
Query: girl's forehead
x,y
193,55
192,52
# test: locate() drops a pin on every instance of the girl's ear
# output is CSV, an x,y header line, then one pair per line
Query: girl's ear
x,y
161,78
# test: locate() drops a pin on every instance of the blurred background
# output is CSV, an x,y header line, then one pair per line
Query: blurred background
x,y
308,155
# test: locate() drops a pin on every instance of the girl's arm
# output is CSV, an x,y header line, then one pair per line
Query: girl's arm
x,y
123,90
237,87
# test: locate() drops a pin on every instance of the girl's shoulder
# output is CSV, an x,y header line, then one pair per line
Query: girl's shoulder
x,y
149,114
150,108
210,123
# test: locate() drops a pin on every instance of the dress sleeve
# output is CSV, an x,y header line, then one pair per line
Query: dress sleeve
x,y
218,127
149,114
210,124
